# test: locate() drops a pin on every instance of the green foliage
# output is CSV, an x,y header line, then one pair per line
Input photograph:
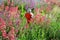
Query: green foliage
x,y
39,32
22,9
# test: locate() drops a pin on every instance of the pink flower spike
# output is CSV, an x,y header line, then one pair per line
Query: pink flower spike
x,y
16,7
46,1
6,8
2,24
2,6
10,23
11,34
4,34
42,18
12,4
8,2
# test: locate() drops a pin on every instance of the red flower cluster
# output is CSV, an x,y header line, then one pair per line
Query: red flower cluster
x,y
4,34
2,24
11,34
10,12
40,18
3,27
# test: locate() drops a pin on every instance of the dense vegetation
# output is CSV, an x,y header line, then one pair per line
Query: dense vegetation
x,y
45,24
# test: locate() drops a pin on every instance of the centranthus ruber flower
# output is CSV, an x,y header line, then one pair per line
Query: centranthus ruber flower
x,y
4,34
26,25
10,23
48,8
13,11
51,1
11,34
2,24
42,19
2,5
8,2
37,17
18,22
46,1
12,3
41,9
6,8
36,10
